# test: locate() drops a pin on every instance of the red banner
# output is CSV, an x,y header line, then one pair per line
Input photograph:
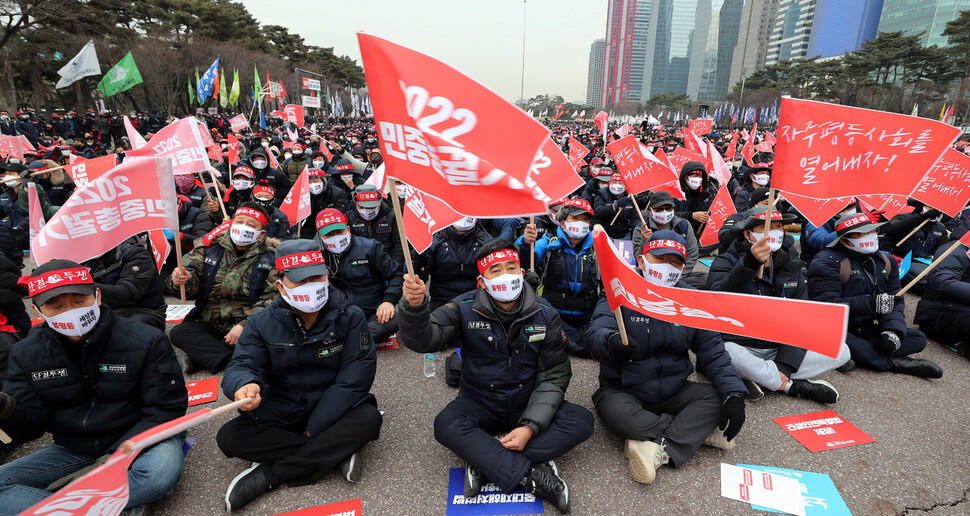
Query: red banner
x,y
35,215
827,150
817,211
702,126
551,176
296,205
820,431
694,144
203,391
747,150
732,147
238,122
348,508
11,146
160,246
425,215
577,151
623,131
136,139
180,141
721,209
719,169
896,203
641,170
438,130
294,113
946,186
819,327
681,156
233,149
134,197
83,171
673,186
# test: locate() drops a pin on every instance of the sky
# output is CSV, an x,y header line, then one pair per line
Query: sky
x,y
481,38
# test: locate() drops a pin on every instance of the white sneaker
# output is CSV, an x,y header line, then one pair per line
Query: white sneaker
x,y
645,458
718,440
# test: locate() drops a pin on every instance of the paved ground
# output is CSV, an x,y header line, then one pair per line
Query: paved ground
x,y
920,463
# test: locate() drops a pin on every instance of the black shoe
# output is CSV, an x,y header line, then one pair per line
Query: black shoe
x,y
846,367
920,367
542,482
473,482
818,390
755,392
247,486
190,366
350,469
960,348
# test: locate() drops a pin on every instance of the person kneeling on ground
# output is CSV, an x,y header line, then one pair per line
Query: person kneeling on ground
x,y
515,390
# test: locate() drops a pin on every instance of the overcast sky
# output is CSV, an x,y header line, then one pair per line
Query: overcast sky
x,y
482,38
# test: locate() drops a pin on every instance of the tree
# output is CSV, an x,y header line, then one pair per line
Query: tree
x,y
669,101
958,35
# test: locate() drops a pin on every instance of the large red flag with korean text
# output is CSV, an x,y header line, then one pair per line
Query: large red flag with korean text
x,y
946,186
641,170
238,122
577,151
448,135
424,215
551,176
819,327
182,142
83,171
701,126
721,209
294,114
134,197
828,150
296,205
602,121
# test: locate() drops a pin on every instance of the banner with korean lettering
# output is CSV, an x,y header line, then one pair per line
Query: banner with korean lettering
x,y
134,197
182,142
311,101
702,126
311,84
551,177
238,122
721,209
448,135
424,216
641,170
296,205
680,156
819,327
11,146
828,150
294,114
83,171
946,186
577,151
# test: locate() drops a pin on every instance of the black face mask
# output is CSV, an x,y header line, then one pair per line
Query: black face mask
x,y
267,204
376,160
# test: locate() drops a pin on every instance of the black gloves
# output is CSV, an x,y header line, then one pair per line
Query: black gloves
x,y
624,202
732,417
882,304
620,352
532,279
7,405
888,342
932,214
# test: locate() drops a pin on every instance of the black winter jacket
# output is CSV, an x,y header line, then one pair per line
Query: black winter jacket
x,y
365,272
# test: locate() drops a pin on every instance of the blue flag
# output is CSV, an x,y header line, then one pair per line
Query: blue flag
x,y
905,264
208,79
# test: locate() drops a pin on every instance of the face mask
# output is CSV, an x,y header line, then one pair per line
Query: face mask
x,y
297,152
617,189
776,237
650,148
288,155
401,191
337,244
465,224
661,274
319,164
730,165
761,179
504,288
662,217
369,213
11,181
309,297
866,245
224,146
76,321
316,188
65,152
370,140
264,144
242,184
266,203
670,148
5,117
694,182
577,229
346,177
259,163
243,235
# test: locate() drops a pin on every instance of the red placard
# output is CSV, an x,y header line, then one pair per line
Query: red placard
x,y
238,122
551,176
390,343
294,113
83,171
348,508
641,170
577,151
680,156
424,216
203,391
820,431
296,205
702,126
179,141
946,186
721,209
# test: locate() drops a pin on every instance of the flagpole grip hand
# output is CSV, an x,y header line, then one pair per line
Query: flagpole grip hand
x,y
249,391
531,234
414,290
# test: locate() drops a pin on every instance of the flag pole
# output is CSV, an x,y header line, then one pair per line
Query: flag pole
x,y
396,203
222,205
888,200
178,260
532,248
913,232
771,205
929,268
621,326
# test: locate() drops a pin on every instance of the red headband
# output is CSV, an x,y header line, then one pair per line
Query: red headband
x,y
59,278
775,215
502,255
367,196
345,166
854,221
582,204
243,169
313,172
249,212
299,259
325,219
263,189
666,244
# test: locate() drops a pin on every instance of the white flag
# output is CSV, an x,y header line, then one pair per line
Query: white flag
x,y
85,63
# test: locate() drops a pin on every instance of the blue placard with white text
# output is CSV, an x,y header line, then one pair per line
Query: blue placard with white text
x,y
490,502
819,493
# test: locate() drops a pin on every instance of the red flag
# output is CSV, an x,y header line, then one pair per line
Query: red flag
x,y
136,139
602,121
577,151
693,143
949,113
36,216
817,211
296,205
623,131
83,171
551,176
294,114
160,246
558,112
425,216
673,186
238,122
182,142
293,136
764,146
283,92
378,178
702,126
326,151
681,156
719,169
827,150
770,138
895,206
946,186
438,129
819,327
732,147
641,170
721,209
747,150
134,197
11,146
233,149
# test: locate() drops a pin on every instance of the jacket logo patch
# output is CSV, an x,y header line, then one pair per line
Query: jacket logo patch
x,y
360,262
535,328
326,352
113,368
537,337
49,374
479,325
790,284
364,342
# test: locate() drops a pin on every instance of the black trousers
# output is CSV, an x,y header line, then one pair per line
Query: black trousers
x,y
948,327
684,420
154,317
297,459
203,343
468,429
866,355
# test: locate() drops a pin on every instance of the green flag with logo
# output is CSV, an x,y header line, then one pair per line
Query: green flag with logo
x,y
234,93
191,91
122,76
223,93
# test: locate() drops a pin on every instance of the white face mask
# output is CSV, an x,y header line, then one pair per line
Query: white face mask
x,y
11,181
319,164
288,155
65,152
761,179
316,188
576,229
661,274
776,237
76,321
866,245
309,297
617,189
346,177
297,152
694,182
401,191
504,288
465,224
368,213
730,164
853,211
337,244
243,235
662,217
242,184
264,144
650,149
259,163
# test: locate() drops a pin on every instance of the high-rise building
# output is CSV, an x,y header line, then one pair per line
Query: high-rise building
x,y
757,24
926,16
627,22
669,43
715,35
793,27
594,81
841,26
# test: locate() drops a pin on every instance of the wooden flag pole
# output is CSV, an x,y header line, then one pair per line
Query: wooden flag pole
x,y
222,205
913,232
636,207
621,326
888,200
396,203
178,259
532,247
928,269
771,205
